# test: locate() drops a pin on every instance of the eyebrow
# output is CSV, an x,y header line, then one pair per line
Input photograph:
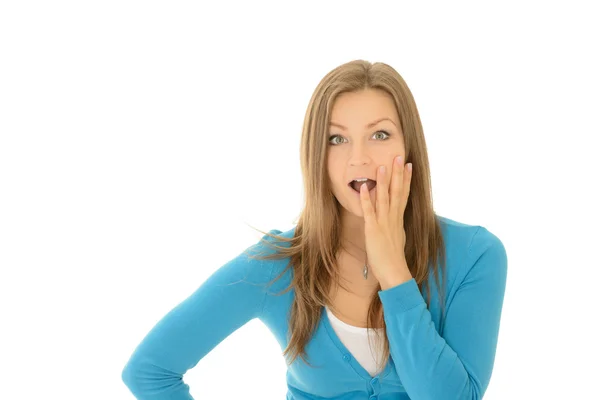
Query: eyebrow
x,y
372,124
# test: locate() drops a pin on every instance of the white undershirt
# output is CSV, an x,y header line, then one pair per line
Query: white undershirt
x,y
356,339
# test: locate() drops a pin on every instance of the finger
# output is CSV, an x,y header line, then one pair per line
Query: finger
x,y
383,201
367,207
407,180
396,195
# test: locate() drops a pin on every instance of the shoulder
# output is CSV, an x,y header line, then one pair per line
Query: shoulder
x,y
266,269
245,267
472,249
459,233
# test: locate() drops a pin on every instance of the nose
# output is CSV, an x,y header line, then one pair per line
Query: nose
x,y
359,156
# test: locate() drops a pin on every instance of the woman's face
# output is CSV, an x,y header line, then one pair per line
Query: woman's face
x,y
356,148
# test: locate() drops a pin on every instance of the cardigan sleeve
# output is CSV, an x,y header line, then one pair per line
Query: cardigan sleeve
x,y
228,299
457,366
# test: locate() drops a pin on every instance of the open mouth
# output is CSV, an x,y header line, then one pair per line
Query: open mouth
x,y
355,185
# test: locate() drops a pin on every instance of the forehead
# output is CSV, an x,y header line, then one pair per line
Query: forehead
x,y
363,105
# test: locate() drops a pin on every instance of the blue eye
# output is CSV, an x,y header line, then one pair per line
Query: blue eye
x,y
379,131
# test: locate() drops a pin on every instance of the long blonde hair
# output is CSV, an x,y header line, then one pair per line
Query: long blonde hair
x,y
316,239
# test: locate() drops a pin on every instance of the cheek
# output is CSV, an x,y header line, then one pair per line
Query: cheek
x,y
334,170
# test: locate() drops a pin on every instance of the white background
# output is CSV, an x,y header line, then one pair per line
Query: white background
x,y
139,138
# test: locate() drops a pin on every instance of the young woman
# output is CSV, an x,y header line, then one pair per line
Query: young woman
x,y
372,295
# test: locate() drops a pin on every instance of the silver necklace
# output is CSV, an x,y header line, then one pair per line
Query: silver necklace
x,y
365,271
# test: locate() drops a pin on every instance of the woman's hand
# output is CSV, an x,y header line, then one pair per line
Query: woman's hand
x,y
385,237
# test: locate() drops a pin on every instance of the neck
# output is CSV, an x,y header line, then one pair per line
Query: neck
x,y
353,233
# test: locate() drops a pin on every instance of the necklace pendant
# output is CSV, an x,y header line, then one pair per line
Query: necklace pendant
x,y
365,271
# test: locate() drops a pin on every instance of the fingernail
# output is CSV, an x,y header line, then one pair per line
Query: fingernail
x,y
399,160
382,169
410,166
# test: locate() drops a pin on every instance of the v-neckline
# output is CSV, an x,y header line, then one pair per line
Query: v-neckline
x,y
356,366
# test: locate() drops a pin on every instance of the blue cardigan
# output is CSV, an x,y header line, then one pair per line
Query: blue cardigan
x,y
430,358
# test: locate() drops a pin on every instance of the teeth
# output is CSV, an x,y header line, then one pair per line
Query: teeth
x,y
361,180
